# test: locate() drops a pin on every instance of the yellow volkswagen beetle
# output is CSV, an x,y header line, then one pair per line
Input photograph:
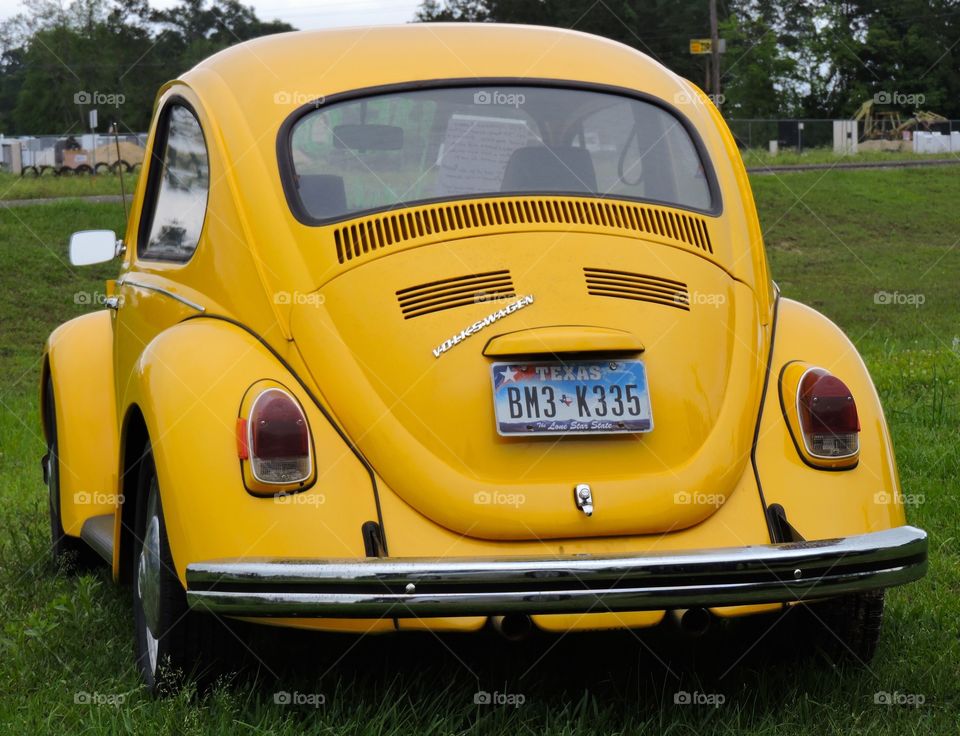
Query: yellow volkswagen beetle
x,y
447,326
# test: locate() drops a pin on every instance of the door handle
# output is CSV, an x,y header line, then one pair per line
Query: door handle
x,y
113,302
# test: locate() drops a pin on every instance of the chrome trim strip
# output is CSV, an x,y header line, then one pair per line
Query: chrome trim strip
x,y
97,531
409,587
165,292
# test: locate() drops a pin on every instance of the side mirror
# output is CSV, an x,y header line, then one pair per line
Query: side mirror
x,y
94,246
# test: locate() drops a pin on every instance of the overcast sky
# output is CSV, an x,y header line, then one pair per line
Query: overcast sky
x,y
302,13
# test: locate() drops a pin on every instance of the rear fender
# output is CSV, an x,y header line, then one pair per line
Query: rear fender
x,y
818,503
188,385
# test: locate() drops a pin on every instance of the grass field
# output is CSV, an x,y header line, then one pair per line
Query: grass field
x,y
836,240
760,157
34,187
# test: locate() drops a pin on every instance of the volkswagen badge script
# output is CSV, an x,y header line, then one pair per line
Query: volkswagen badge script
x,y
524,301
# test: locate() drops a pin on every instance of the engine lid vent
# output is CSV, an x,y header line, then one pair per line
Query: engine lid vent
x,y
436,296
435,222
638,287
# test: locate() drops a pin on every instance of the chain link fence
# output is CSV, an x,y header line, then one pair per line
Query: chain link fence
x,y
51,155
800,134
93,153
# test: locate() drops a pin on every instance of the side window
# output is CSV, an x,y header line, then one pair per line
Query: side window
x,y
176,198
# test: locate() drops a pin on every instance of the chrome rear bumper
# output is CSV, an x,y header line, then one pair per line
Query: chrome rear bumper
x,y
423,587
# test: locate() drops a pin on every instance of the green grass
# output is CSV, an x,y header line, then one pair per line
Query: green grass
x,y
31,187
760,157
853,234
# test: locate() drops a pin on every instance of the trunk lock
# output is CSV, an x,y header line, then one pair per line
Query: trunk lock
x,y
583,497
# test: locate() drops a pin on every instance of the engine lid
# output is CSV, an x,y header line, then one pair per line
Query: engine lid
x,y
402,349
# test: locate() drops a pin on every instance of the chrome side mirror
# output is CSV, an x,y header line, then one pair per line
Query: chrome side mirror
x,y
94,246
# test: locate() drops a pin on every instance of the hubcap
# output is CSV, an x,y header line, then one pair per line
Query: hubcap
x,y
148,577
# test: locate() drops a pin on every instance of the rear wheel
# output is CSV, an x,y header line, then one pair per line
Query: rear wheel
x,y
173,643
69,553
849,627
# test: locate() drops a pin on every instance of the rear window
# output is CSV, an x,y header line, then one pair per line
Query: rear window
x,y
406,147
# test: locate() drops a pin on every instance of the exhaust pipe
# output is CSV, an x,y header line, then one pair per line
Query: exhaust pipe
x,y
513,626
692,621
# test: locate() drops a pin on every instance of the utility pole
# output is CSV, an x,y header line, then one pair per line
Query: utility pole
x,y
714,53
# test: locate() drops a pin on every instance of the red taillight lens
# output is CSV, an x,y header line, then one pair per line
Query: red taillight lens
x,y
828,415
279,439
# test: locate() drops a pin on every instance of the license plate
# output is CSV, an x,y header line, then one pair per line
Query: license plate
x,y
579,397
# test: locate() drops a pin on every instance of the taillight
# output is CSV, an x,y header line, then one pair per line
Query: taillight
x,y
828,416
278,439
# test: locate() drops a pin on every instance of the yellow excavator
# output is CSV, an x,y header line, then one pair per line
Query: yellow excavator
x,y
888,125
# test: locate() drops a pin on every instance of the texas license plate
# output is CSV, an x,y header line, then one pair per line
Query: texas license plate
x,y
577,397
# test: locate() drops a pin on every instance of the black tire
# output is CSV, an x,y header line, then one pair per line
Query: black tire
x,y
65,171
102,168
83,169
69,553
849,627
188,645
30,171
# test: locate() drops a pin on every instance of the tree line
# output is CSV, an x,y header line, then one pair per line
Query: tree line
x,y
57,62
784,58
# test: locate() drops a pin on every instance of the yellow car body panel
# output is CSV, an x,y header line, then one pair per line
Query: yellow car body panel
x,y
251,105
404,437
390,401
76,360
311,523
863,499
